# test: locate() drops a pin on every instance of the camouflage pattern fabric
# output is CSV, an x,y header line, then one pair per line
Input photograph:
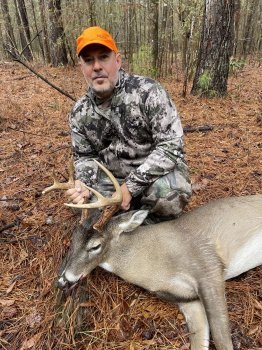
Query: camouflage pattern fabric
x,y
137,135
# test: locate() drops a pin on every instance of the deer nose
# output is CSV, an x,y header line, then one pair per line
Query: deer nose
x,y
62,283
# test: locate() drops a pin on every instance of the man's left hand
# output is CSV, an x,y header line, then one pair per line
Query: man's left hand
x,y
126,197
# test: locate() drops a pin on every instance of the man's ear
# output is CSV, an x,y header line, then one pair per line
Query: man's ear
x,y
132,223
118,60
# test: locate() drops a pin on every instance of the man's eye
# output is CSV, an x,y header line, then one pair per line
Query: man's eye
x,y
88,59
104,57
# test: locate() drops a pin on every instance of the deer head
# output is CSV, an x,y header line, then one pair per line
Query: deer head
x,y
90,248
90,237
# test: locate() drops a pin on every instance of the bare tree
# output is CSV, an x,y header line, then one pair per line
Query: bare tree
x,y
250,27
154,10
9,42
56,34
216,47
36,28
43,19
92,12
23,26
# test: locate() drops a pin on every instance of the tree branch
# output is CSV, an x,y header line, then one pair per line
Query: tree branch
x,y
41,77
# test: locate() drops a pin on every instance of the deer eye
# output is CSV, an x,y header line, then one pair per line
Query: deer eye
x,y
94,248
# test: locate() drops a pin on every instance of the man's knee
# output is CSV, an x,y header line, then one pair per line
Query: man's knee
x,y
169,194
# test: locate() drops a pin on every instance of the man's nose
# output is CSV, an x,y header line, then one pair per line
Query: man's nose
x,y
97,65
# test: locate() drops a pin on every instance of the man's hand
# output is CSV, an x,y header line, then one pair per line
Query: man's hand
x,y
78,194
126,197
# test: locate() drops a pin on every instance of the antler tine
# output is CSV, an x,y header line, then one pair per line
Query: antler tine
x,y
62,185
102,201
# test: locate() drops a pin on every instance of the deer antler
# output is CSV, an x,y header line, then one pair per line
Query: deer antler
x,y
66,186
111,204
102,201
62,185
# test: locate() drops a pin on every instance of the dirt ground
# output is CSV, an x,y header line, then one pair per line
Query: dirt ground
x,y
35,230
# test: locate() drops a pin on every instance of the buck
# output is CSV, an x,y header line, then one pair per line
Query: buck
x,y
184,261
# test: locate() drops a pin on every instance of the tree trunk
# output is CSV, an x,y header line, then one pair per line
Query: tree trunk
x,y
56,34
92,13
236,25
37,30
42,10
163,40
23,25
9,42
249,28
216,47
155,15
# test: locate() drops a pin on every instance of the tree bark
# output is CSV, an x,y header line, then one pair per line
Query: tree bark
x,y
154,4
56,34
249,27
24,31
37,30
92,13
9,42
42,10
216,47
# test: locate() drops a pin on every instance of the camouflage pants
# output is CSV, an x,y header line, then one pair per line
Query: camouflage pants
x,y
165,198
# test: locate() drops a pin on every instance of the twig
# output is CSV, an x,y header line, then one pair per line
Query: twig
x,y
24,77
203,128
21,239
30,42
16,222
41,76
27,132
59,149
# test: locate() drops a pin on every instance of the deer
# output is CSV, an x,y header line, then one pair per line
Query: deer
x,y
185,261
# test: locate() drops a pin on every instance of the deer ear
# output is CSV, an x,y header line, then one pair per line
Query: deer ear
x,y
132,223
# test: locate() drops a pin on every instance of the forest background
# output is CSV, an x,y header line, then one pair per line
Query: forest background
x,y
211,48
157,38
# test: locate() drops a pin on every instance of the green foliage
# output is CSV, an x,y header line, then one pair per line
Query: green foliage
x,y
236,65
204,81
144,56
204,85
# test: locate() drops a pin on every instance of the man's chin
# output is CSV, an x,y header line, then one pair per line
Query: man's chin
x,y
102,91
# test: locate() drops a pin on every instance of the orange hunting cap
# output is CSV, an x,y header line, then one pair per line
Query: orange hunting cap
x,y
95,35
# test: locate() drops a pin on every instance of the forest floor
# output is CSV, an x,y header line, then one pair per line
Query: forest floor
x,y
35,230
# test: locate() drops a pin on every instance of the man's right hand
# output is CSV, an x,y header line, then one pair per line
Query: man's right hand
x,y
78,194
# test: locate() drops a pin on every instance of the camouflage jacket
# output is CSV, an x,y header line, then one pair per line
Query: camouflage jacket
x,y
138,137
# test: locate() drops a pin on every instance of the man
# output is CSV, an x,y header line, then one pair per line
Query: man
x,y
130,124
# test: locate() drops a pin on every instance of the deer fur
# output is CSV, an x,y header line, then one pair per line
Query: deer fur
x,y
184,261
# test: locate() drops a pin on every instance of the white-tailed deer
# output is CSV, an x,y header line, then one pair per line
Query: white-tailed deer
x,y
184,261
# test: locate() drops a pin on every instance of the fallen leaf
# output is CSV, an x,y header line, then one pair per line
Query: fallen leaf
x,y
7,302
201,185
9,311
23,256
33,319
28,344
9,290
253,330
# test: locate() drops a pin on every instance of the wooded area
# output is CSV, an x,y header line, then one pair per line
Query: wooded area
x,y
208,47
158,38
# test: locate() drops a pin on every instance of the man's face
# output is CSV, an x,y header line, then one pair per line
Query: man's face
x,y
100,68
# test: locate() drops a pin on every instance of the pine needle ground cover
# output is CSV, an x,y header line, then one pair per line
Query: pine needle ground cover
x,y
106,312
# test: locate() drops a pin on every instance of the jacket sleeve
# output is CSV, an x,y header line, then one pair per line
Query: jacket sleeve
x,y
85,167
167,133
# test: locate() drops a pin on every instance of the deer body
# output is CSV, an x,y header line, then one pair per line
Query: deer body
x,y
229,228
184,261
